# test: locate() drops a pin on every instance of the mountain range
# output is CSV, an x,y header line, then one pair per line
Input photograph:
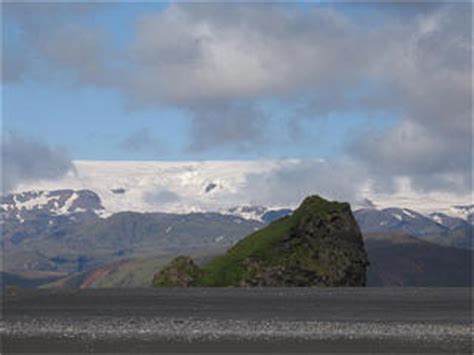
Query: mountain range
x,y
67,232
216,186
70,232
18,207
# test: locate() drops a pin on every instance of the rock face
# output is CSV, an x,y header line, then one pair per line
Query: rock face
x,y
320,244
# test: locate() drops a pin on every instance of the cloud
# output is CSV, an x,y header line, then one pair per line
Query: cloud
x,y
293,180
79,49
416,68
139,141
162,197
367,203
13,67
199,53
25,160
239,125
38,35
218,62
430,74
430,159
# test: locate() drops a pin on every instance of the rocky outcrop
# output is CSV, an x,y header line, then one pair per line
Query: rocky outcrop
x,y
320,244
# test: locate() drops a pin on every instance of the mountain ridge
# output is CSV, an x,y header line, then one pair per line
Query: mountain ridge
x,y
69,201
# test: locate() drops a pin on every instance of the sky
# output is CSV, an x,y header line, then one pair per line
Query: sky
x,y
378,91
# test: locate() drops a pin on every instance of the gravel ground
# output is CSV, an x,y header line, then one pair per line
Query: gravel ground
x,y
238,321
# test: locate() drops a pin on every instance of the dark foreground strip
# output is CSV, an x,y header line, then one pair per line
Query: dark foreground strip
x,y
142,335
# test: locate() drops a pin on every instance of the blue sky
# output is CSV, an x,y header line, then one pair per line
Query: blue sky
x,y
386,87
92,122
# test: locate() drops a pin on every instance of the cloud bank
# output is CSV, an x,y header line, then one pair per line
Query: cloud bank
x,y
292,181
218,62
24,160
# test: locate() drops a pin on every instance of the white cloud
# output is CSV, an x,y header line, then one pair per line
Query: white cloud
x,y
213,58
25,160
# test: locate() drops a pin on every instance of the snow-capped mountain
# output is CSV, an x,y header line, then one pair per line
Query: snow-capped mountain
x,y
449,221
31,204
106,211
436,228
172,187
248,212
463,209
259,213
464,212
62,229
217,186
397,219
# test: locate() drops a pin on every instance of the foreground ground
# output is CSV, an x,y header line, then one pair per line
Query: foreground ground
x,y
292,320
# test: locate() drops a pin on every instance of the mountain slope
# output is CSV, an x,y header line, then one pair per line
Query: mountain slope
x,y
437,228
449,221
402,260
81,245
397,219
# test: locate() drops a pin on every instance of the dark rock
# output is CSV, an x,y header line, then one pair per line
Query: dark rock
x,y
119,191
210,187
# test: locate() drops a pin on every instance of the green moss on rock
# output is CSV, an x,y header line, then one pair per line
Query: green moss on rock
x,y
319,245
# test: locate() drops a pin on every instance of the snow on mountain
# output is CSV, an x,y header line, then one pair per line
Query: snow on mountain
x,y
462,211
175,187
449,221
248,212
217,186
259,213
30,204
397,219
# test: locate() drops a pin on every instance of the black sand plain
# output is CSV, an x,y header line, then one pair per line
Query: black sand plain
x,y
238,320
